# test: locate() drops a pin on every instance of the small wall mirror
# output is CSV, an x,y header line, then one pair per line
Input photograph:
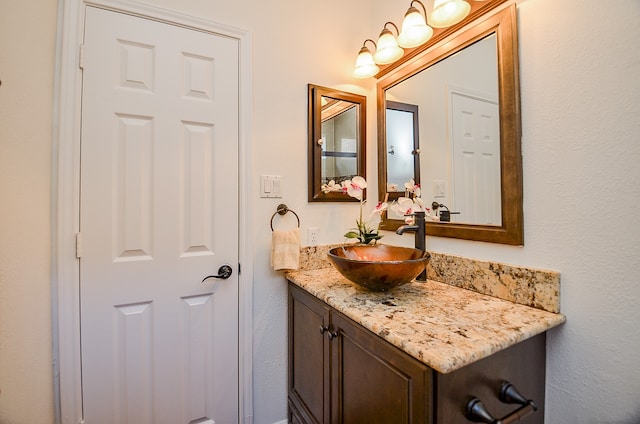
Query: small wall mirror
x,y
336,128
469,160
403,146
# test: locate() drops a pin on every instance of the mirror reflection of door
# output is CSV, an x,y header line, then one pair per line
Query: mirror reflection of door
x,y
402,145
475,133
339,140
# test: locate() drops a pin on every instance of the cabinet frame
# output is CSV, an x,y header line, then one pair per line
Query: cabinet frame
x,y
354,361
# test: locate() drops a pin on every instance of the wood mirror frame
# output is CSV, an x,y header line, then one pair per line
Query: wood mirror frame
x,y
444,43
315,151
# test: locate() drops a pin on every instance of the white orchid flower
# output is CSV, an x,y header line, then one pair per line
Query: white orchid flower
x,y
402,206
418,201
355,187
380,207
413,188
332,186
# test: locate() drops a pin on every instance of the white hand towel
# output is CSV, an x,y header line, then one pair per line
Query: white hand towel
x,y
285,249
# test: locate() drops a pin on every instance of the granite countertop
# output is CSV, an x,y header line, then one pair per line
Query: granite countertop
x,y
443,326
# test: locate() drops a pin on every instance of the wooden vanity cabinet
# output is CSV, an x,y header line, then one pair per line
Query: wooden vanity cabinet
x,y
340,372
309,356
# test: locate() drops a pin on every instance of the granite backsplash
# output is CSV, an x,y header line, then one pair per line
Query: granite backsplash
x,y
525,286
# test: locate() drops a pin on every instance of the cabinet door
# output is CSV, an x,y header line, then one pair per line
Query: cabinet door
x,y
308,358
374,382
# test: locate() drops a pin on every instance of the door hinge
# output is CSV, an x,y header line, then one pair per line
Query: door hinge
x,y
78,245
81,57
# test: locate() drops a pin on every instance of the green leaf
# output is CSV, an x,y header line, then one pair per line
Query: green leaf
x,y
352,234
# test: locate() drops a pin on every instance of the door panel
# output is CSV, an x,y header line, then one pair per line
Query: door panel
x,y
159,212
476,164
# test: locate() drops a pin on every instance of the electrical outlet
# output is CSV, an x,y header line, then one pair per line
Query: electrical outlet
x,y
313,236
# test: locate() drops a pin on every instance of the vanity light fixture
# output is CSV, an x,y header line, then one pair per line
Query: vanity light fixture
x,y
365,66
415,30
448,12
387,50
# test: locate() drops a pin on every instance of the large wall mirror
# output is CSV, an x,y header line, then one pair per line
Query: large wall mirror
x,y
465,87
336,128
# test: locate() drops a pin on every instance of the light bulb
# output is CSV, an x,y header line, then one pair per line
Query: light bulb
x,y
448,12
388,50
365,66
415,30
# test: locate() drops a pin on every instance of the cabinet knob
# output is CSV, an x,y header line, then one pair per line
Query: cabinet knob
x,y
332,335
323,328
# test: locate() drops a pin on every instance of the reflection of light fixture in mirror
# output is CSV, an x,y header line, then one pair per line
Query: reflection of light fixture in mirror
x,y
415,30
387,50
365,66
448,12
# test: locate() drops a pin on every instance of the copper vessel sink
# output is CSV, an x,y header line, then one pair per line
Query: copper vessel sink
x,y
380,267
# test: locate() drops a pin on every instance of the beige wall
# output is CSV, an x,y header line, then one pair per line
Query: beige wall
x,y
580,110
27,53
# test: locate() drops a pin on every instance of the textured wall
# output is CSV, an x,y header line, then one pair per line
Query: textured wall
x,y
580,64
27,31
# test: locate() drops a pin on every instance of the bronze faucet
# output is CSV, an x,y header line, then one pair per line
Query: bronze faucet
x,y
420,236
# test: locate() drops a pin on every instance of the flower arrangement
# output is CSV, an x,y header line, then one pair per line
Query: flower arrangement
x,y
364,231
411,203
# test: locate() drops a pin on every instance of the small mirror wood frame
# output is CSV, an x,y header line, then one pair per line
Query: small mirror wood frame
x,y
315,143
476,26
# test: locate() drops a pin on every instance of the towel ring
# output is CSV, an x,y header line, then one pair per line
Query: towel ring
x,y
282,210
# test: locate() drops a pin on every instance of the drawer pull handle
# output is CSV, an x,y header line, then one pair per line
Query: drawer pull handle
x,y
477,412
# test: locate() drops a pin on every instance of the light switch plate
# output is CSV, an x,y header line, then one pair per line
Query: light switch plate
x,y
270,186
438,188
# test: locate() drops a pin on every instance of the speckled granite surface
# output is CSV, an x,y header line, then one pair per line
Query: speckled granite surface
x,y
443,326
526,286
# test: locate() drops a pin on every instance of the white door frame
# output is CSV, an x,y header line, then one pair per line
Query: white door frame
x,y
66,199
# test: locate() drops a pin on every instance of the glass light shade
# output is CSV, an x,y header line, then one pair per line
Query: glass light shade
x,y
448,12
365,66
388,50
415,30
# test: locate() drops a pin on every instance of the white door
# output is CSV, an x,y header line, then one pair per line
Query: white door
x,y
476,160
159,212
